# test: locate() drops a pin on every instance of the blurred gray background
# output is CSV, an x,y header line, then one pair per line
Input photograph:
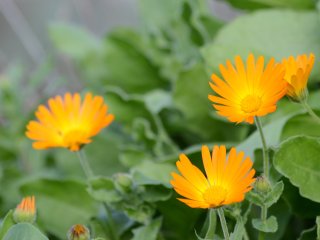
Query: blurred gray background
x,y
24,23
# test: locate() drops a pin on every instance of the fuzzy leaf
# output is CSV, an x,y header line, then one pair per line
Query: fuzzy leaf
x,y
24,231
270,225
103,189
148,232
274,195
298,159
6,223
73,41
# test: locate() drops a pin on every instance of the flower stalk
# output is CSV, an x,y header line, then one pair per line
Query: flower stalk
x,y
212,223
264,209
265,154
84,164
310,111
223,224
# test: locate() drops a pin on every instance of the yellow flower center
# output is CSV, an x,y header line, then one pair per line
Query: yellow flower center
x,y
215,196
74,138
250,104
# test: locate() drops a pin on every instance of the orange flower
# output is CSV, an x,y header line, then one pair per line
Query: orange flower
x,y
297,73
68,122
246,92
26,210
227,178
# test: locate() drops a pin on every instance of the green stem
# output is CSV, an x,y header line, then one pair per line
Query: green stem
x,y
264,149
84,164
310,111
261,236
223,224
264,213
89,174
212,224
264,209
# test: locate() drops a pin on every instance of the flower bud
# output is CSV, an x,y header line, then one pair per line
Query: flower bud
x,y
297,72
123,182
78,232
25,211
262,185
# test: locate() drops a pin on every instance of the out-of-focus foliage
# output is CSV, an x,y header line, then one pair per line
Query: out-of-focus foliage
x,y
257,4
155,81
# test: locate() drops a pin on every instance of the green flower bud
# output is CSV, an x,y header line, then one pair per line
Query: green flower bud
x,y
25,211
78,232
262,185
123,182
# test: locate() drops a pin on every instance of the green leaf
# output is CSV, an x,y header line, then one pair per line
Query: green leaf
x,y
298,160
127,107
131,157
135,119
62,202
24,231
183,35
255,4
152,11
191,25
277,37
157,100
73,41
148,232
6,223
141,213
100,226
255,198
103,189
301,124
273,196
270,225
239,231
153,173
127,66
154,193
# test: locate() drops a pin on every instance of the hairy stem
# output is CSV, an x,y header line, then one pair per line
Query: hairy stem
x,y
212,224
264,149
223,224
264,209
84,164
